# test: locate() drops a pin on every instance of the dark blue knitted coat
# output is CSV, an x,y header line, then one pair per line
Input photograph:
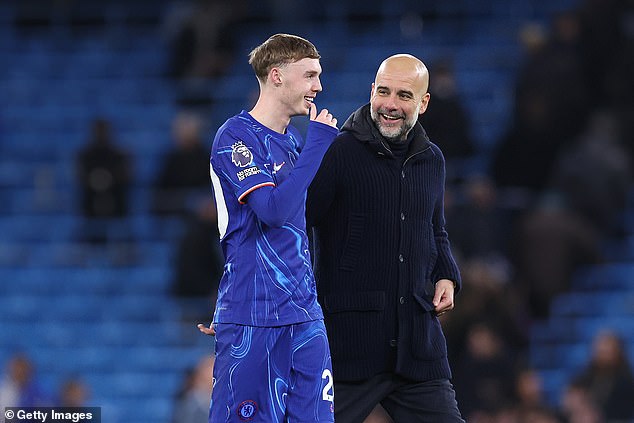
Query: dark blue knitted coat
x,y
379,246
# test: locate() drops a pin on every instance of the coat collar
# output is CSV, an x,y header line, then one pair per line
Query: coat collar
x,y
361,126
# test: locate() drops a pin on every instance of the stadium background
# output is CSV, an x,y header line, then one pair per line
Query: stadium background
x,y
105,313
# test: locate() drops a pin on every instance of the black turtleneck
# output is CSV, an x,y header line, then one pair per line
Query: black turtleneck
x,y
399,149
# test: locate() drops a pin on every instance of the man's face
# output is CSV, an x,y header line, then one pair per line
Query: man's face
x,y
397,98
300,82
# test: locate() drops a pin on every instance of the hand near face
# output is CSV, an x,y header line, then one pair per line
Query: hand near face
x,y
323,117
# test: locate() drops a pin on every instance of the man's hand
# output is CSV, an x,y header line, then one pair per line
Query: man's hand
x,y
443,298
207,330
323,116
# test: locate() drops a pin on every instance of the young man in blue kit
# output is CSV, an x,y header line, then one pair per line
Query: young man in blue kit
x,y
272,353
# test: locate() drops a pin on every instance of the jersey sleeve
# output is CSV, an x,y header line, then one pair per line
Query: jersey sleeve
x,y
239,158
275,205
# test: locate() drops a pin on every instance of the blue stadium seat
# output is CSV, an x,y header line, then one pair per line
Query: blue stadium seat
x,y
137,385
588,304
20,309
554,382
139,409
612,277
76,358
145,307
37,228
172,358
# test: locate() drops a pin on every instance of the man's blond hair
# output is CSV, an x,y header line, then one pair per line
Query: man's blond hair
x,y
280,50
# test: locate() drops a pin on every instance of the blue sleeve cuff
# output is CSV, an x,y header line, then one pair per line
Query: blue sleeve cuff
x,y
320,132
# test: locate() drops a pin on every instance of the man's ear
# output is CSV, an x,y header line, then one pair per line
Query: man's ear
x,y
275,76
424,103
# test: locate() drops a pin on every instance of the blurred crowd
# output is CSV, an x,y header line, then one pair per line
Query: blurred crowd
x,y
551,194
20,386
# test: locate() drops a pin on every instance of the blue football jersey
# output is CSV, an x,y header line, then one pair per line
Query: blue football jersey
x,y
267,279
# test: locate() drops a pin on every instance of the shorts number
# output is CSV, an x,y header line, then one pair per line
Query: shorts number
x,y
325,395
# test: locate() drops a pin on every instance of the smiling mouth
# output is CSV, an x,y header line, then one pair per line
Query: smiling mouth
x,y
309,99
390,118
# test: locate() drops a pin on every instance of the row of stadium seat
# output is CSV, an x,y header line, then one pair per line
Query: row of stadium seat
x,y
65,228
601,297
63,199
90,281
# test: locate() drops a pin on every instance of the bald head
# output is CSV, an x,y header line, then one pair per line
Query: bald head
x,y
399,95
407,68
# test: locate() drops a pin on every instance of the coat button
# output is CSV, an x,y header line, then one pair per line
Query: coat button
x,y
401,258
402,300
393,343
403,174
402,216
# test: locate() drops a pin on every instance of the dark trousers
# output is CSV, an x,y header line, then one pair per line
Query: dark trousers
x,y
406,401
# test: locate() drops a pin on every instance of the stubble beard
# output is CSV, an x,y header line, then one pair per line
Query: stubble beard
x,y
394,134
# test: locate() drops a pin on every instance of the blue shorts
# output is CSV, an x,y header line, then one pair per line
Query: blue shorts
x,y
278,374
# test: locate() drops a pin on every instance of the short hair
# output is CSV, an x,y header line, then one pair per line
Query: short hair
x,y
279,50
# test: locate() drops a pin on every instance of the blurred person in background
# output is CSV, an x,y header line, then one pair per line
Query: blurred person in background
x,y
608,378
382,259
192,402
551,104
578,406
201,46
105,175
267,300
198,263
184,172
19,386
485,372
74,393
201,42
488,297
446,121
551,242
578,209
529,395
555,69
480,225
604,28
594,176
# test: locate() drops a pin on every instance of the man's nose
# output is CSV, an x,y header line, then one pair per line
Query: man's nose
x,y
390,102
